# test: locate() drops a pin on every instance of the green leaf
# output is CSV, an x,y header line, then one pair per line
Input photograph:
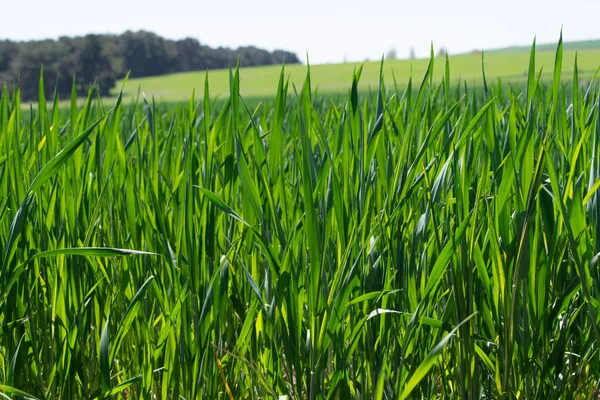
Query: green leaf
x,y
16,392
429,361
104,357
220,204
58,161
90,252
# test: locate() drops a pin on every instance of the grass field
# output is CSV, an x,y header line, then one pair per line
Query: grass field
x,y
568,46
441,242
261,82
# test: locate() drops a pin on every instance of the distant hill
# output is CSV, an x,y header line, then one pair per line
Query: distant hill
x,y
261,82
576,45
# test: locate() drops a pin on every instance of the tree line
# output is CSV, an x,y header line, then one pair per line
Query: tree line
x,y
104,59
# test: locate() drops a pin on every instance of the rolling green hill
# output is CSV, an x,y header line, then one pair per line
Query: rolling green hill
x,y
335,78
576,45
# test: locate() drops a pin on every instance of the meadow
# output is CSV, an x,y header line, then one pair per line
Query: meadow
x,y
439,241
509,65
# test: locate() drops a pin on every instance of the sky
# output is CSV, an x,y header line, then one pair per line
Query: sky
x,y
328,31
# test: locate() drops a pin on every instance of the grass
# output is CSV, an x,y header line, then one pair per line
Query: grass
x,y
441,241
261,82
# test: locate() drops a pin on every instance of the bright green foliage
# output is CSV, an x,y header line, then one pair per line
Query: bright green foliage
x,y
436,242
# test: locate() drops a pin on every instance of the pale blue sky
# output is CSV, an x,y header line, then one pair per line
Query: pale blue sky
x,y
330,31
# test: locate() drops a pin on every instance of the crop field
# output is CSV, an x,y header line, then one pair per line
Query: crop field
x,y
261,82
439,241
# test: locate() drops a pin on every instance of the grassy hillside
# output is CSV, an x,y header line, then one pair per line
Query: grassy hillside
x,y
577,45
334,78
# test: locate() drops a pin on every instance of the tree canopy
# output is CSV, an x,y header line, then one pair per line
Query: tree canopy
x,y
104,59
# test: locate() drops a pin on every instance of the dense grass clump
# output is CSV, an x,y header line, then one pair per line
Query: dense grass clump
x,y
437,241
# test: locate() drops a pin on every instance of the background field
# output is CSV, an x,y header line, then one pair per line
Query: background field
x,y
568,46
506,64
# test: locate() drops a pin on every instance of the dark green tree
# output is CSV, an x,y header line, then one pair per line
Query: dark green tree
x,y
105,58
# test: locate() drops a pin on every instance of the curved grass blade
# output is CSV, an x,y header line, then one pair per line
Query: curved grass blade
x,y
430,361
4,389
91,252
57,161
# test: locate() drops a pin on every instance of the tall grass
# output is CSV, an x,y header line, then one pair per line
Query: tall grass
x,y
435,241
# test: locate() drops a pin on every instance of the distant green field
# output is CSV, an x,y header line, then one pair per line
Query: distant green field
x,y
335,78
576,45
